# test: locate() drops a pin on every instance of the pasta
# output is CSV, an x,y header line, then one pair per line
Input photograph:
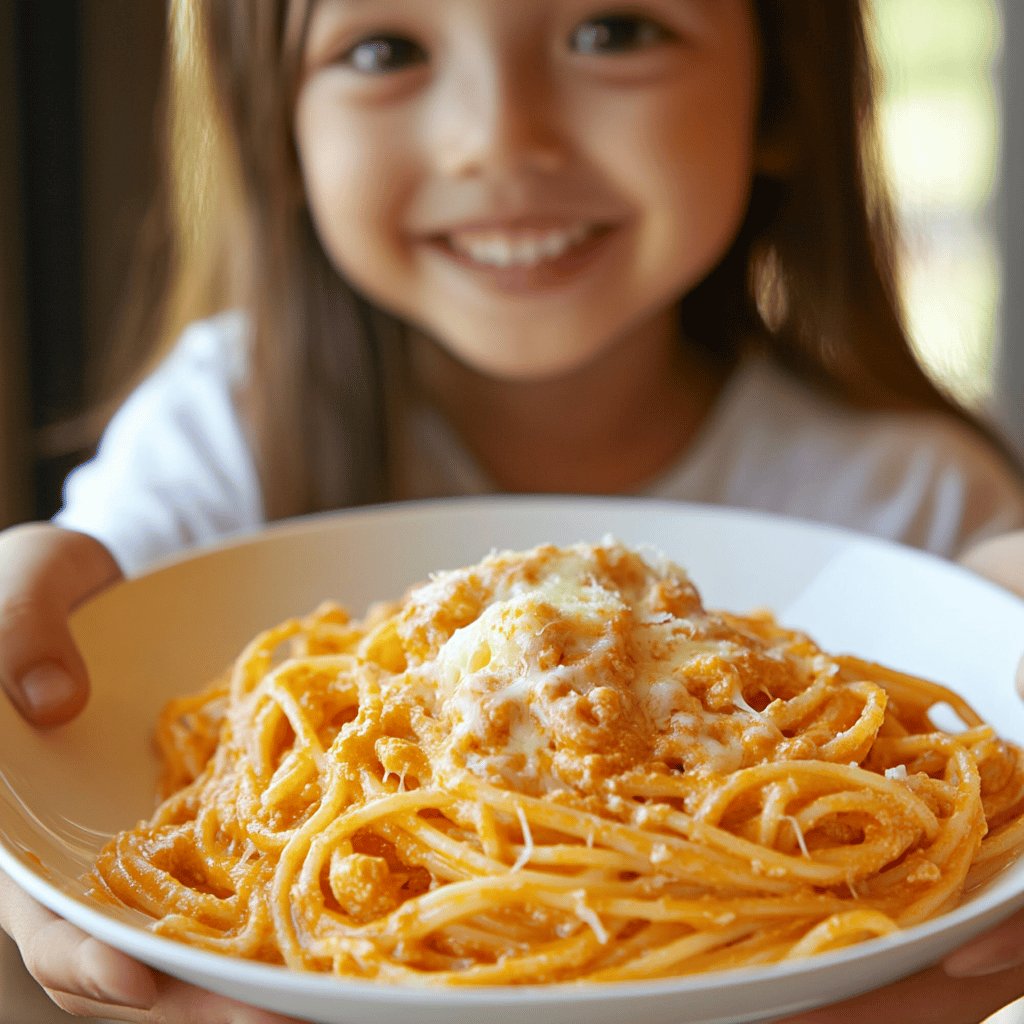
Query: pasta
x,y
557,765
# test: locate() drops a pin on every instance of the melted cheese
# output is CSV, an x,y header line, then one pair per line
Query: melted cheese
x,y
560,667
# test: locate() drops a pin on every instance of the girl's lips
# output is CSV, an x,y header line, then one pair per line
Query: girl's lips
x,y
524,277
517,247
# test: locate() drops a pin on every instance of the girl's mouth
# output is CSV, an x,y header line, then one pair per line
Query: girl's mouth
x,y
518,248
524,258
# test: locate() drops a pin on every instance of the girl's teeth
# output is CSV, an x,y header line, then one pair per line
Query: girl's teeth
x,y
518,250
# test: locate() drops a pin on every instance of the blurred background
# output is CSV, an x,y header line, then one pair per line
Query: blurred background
x,y
80,82
79,96
952,116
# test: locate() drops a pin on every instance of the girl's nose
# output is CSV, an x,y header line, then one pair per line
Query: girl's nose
x,y
505,121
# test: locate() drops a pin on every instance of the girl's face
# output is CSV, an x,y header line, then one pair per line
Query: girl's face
x,y
527,181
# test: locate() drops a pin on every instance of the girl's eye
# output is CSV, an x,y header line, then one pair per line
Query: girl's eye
x,y
617,33
381,55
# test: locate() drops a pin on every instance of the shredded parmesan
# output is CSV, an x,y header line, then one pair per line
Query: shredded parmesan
x,y
799,832
527,851
589,917
659,854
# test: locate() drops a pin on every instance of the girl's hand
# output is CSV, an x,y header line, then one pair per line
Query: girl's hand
x,y
86,978
969,986
1000,559
46,572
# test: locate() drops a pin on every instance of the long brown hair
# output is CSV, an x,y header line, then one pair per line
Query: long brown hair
x,y
811,274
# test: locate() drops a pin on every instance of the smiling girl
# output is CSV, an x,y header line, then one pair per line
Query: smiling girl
x,y
545,247
549,245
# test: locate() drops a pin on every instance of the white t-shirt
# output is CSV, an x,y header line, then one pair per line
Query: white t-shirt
x,y
174,467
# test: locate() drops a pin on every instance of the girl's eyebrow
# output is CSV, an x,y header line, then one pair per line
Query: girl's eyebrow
x,y
317,9
344,5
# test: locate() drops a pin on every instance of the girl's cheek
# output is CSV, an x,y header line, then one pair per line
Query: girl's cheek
x,y
694,114
355,171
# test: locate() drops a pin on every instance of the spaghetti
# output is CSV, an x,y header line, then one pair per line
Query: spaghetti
x,y
558,765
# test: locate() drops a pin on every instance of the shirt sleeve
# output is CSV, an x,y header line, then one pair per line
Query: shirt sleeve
x,y
174,468
927,481
923,479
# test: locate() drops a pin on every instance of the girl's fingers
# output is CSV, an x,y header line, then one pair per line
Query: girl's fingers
x,y
931,997
87,978
1001,559
45,572
998,950
64,959
972,983
176,1003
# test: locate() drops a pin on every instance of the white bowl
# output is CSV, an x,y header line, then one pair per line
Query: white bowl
x,y
168,632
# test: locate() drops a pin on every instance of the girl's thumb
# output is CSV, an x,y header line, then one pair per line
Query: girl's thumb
x,y
1001,559
48,693
45,573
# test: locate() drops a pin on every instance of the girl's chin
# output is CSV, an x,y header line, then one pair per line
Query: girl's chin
x,y
522,366
521,350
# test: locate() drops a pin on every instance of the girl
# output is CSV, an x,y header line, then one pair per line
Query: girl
x,y
556,245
